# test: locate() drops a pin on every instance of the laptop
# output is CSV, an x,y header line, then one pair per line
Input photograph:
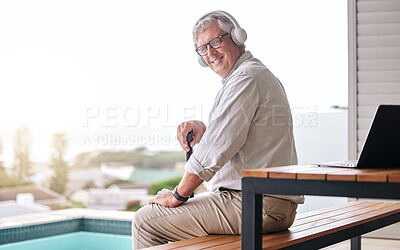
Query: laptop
x,y
382,146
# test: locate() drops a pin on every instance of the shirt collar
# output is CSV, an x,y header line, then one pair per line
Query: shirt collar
x,y
246,55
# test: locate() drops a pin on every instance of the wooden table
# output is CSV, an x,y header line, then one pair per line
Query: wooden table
x,y
309,180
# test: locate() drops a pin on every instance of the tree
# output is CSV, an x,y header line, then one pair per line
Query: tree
x,y
1,156
22,147
168,184
5,179
58,182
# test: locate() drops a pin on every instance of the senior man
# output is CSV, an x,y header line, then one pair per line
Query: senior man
x,y
250,126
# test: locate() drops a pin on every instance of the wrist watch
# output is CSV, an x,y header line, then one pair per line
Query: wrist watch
x,y
180,198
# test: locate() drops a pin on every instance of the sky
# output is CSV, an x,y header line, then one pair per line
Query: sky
x,y
127,71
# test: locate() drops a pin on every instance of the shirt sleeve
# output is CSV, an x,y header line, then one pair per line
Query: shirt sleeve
x,y
229,125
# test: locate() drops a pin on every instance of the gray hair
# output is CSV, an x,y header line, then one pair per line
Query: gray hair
x,y
203,23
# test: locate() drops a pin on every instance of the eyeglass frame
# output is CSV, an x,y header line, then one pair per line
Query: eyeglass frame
x,y
220,41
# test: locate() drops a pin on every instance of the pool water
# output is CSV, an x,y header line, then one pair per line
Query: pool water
x,y
74,241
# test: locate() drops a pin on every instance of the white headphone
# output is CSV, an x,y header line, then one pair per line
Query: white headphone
x,y
238,34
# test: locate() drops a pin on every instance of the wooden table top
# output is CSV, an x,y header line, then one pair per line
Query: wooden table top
x,y
314,172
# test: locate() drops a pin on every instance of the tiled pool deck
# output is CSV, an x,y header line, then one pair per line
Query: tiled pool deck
x,y
38,225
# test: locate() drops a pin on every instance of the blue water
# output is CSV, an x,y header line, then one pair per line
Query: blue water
x,y
74,241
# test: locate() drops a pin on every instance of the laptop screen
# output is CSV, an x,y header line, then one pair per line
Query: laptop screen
x,y
382,145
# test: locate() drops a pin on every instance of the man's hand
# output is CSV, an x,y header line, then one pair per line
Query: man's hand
x,y
165,198
184,128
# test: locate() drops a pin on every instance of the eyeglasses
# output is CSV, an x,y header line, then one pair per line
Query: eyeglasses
x,y
214,43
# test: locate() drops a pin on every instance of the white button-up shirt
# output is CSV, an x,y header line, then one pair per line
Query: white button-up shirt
x,y
250,127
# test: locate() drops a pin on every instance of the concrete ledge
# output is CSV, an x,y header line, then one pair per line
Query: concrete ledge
x,y
64,214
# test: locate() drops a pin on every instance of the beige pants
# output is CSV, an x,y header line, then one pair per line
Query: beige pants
x,y
207,213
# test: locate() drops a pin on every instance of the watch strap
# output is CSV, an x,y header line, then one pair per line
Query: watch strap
x,y
180,198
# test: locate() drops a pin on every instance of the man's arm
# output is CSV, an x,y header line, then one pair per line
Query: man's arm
x,y
189,181
228,128
186,187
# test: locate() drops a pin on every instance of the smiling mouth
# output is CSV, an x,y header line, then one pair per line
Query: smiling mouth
x,y
216,61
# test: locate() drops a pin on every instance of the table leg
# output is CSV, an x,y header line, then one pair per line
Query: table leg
x,y
355,243
251,220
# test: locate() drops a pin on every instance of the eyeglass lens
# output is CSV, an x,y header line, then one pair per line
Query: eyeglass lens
x,y
215,43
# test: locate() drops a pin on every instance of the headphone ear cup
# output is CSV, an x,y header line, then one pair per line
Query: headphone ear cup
x,y
202,61
239,36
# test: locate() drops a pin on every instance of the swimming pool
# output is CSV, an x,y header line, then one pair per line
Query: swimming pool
x,y
74,241
72,229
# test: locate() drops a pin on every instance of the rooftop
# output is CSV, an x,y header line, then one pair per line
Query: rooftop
x,y
41,194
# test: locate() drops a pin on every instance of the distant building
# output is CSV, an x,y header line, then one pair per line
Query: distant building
x,y
117,171
24,204
115,197
29,199
78,179
98,177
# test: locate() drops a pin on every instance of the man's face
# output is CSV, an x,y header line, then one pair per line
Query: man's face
x,y
220,60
